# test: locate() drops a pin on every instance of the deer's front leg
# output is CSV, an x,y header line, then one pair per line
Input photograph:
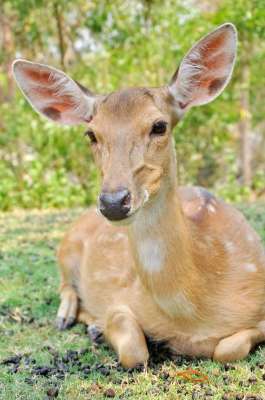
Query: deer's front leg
x,y
69,255
127,338
70,311
67,312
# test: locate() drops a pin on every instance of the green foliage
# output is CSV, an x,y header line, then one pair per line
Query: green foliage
x,y
108,45
42,165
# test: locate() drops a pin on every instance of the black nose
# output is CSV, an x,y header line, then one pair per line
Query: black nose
x,y
116,205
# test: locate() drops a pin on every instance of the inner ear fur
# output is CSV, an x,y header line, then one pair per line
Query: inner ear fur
x,y
206,69
52,93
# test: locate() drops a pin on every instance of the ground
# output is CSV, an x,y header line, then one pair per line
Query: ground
x,y
38,362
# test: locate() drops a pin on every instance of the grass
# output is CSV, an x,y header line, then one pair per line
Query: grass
x,y
38,362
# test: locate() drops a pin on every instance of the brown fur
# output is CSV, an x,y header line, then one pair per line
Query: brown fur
x,y
227,298
214,264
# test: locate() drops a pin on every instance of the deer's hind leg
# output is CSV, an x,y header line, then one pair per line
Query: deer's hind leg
x,y
238,346
127,337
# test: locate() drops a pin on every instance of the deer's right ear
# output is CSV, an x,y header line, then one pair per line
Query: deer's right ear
x,y
206,69
53,94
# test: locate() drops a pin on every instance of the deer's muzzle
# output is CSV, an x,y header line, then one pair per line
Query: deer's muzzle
x,y
115,205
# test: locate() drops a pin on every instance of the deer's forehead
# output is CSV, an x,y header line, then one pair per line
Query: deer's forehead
x,y
133,108
127,99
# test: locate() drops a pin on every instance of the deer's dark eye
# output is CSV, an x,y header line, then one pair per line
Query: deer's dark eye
x,y
91,136
159,128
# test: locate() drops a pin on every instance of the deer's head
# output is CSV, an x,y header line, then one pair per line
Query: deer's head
x,y
130,130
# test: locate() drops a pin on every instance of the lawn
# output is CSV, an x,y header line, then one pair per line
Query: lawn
x,y
38,362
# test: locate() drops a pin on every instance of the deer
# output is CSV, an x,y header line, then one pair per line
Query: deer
x,y
154,259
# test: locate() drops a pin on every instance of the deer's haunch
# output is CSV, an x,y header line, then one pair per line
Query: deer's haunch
x,y
177,264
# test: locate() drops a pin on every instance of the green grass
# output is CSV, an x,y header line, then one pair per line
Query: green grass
x,y
28,304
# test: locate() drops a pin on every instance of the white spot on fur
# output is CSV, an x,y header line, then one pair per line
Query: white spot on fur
x,y
119,236
208,239
211,208
261,326
250,267
102,238
250,237
107,239
151,254
214,202
229,246
178,305
199,193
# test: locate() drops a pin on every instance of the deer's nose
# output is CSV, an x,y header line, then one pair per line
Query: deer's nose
x,y
115,205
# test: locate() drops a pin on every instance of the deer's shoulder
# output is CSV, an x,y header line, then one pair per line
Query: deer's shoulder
x,y
198,204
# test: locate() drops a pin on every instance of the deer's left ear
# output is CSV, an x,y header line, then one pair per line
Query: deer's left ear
x,y
54,94
206,69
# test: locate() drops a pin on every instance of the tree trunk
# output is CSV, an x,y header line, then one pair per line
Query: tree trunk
x,y
6,47
245,128
59,24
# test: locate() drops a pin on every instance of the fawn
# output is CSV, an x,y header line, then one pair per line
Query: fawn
x,y
173,263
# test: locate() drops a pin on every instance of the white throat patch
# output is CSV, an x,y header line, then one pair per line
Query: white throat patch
x,y
150,247
151,254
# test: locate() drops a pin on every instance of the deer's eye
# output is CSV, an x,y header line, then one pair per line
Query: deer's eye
x,y
159,128
91,136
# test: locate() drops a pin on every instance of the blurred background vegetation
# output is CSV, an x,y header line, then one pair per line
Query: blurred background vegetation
x,y
112,44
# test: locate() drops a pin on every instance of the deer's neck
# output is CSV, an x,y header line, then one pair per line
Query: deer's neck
x,y
162,248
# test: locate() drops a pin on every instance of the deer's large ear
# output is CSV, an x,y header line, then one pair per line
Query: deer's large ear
x,y
52,93
206,69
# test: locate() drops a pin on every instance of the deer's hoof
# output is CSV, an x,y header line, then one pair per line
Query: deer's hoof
x,y
95,335
64,323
